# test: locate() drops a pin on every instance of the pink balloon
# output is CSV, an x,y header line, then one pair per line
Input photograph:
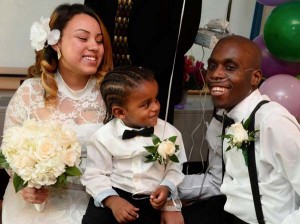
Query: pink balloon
x,y
285,90
273,2
273,66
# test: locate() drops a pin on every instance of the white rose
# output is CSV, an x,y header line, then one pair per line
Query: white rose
x,y
25,173
76,146
23,161
9,152
70,157
67,138
40,178
239,133
47,175
35,185
45,149
12,142
54,166
166,148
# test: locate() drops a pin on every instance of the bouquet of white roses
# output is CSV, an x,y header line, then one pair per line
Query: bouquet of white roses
x,y
162,151
40,153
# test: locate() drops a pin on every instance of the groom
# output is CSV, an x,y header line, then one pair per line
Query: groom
x,y
233,76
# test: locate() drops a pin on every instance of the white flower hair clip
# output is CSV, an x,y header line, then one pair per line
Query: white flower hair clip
x,y
40,34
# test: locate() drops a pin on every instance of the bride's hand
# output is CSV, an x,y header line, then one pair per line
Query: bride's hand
x,y
36,196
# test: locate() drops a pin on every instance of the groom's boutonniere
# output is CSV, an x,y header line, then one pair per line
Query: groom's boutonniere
x,y
162,150
240,137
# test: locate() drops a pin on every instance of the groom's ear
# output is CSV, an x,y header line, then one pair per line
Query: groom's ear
x,y
256,78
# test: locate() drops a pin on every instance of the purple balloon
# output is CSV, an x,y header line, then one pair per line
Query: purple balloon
x,y
273,66
273,2
285,90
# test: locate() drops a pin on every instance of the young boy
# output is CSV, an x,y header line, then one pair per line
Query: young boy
x,y
124,187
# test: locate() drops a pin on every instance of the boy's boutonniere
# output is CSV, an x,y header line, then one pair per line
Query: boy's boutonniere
x,y
162,151
240,137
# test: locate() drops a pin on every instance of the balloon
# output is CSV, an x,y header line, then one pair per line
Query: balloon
x,y
272,2
273,66
285,90
282,32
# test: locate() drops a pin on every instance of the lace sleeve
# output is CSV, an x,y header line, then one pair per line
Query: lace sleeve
x,y
18,108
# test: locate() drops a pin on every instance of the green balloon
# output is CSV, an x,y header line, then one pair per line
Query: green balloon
x,y
282,32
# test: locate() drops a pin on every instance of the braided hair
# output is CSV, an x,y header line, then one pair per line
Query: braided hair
x,y
120,83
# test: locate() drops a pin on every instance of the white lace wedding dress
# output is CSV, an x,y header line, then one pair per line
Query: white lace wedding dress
x,y
83,111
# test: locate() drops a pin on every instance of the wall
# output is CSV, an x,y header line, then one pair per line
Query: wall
x,y
16,19
241,17
17,16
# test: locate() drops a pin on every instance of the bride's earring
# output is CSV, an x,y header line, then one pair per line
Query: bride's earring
x,y
58,54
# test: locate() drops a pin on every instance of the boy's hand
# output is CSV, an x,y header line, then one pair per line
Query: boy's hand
x,y
159,197
123,211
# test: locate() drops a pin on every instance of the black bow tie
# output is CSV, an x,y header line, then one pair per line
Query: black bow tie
x,y
225,120
146,132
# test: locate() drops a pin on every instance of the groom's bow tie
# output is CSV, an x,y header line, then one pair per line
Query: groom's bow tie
x,y
146,132
225,120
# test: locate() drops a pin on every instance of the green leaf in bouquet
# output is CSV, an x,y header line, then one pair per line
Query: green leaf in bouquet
x,y
18,182
61,181
3,162
73,171
250,139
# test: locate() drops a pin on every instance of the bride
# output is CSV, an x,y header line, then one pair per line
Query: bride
x,y
63,86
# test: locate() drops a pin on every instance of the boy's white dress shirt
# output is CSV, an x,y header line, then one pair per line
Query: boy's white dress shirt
x,y
113,162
